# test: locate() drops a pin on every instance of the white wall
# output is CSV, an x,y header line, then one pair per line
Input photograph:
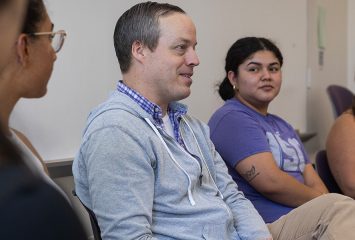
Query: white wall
x,y
351,45
87,70
320,116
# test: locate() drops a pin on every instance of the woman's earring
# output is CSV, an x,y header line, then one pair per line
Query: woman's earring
x,y
234,87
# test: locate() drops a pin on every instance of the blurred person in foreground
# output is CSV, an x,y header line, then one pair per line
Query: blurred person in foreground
x,y
30,207
26,73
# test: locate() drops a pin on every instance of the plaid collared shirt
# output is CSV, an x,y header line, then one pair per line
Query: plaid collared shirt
x,y
155,111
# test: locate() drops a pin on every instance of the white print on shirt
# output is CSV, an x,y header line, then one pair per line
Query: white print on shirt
x,y
287,154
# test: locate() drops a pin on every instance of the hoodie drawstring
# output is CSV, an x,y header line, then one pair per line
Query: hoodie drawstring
x,y
189,193
203,158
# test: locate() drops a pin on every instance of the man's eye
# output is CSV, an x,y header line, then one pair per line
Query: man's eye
x,y
181,47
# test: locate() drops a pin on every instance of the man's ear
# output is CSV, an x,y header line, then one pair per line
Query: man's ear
x,y
138,51
22,50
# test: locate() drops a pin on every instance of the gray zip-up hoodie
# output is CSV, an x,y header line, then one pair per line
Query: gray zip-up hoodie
x,y
142,184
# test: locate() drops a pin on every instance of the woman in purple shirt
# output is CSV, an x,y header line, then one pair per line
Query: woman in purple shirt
x,y
263,152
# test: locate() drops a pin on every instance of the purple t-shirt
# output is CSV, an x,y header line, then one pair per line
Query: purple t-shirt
x,y
239,132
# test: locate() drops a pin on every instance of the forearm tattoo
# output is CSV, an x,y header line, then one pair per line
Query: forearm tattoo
x,y
249,175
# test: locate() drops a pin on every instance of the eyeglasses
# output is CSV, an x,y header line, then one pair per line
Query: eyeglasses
x,y
57,38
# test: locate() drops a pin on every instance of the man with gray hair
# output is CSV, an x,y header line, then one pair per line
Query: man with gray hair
x,y
148,170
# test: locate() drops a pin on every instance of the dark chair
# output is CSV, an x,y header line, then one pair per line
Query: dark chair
x,y
94,225
340,97
324,172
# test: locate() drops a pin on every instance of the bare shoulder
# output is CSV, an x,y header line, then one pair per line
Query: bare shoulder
x,y
20,135
341,138
27,142
346,118
344,124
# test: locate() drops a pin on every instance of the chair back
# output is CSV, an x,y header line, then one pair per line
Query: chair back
x,y
94,224
324,172
340,97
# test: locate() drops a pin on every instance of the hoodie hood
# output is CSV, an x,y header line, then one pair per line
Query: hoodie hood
x,y
120,101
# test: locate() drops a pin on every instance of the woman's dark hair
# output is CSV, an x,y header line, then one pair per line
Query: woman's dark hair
x,y
353,106
3,3
35,13
238,53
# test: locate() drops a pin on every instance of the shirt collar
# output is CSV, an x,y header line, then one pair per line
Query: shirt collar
x,y
175,110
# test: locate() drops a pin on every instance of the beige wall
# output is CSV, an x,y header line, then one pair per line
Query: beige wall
x,y
334,71
86,69
351,45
